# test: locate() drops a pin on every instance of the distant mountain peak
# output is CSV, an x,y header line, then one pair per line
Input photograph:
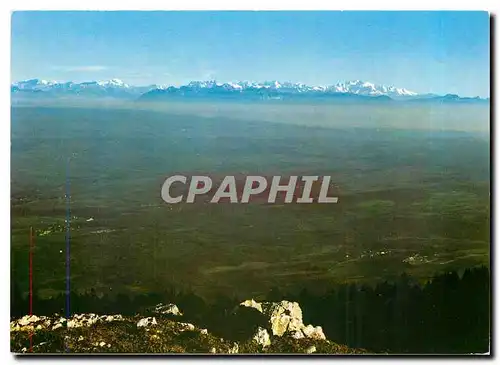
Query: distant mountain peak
x,y
113,83
368,88
32,83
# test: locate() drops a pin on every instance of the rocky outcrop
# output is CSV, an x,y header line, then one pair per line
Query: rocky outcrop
x,y
262,337
313,332
311,349
167,309
146,322
188,327
35,323
285,318
30,323
275,327
250,303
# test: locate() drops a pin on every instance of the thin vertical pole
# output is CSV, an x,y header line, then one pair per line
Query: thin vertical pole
x,y
68,238
31,272
31,283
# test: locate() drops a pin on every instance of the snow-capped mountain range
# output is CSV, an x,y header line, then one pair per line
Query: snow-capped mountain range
x,y
270,89
39,85
352,87
44,85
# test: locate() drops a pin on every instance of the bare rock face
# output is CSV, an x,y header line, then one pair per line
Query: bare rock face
x,y
314,332
167,309
262,337
58,324
298,335
285,318
234,349
30,323
27,320
146,322
83,320
311,349
186,327
250,303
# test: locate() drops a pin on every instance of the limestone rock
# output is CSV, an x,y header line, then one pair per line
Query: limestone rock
x,y
166,309
186,326
314,332
111,318
30,323
250,303
27,320
262,337
59,323
146,322
285,317
83,320
311,349
234,349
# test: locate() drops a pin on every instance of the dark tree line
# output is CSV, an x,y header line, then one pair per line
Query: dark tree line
x,y
449,314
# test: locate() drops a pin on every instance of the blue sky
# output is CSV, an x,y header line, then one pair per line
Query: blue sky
x,y
441,52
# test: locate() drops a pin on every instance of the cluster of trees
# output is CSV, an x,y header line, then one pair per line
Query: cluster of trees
x,y
448,314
